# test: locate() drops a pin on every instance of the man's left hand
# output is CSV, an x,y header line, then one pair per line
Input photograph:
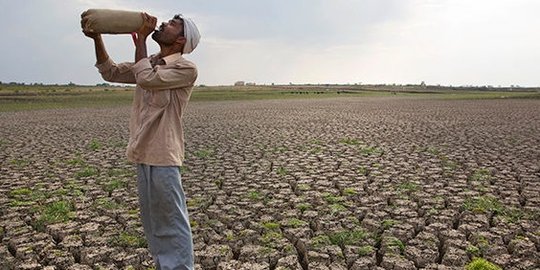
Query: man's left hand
x,y
149,25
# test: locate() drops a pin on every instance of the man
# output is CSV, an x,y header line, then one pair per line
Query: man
x,y
164,83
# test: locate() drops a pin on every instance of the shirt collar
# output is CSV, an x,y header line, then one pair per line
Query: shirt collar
x,y
172,58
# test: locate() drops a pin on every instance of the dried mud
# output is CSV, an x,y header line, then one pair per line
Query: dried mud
x,y
379,183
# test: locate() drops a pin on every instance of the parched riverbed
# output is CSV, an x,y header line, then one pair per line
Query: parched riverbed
x,y
338,183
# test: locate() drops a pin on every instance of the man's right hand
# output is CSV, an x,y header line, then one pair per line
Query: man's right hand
x,y
88,32
91,34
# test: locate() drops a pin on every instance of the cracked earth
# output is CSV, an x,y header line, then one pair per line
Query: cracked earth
x,y
345,183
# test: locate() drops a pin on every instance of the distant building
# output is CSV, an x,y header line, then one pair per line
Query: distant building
x,y
239,83
250,84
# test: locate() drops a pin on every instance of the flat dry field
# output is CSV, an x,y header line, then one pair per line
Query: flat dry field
x,y
337,183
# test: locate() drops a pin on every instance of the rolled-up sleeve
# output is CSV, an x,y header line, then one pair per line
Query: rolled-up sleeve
x,y
119,73
163,77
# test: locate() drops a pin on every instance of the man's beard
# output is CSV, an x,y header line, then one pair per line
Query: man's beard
x,y
157,37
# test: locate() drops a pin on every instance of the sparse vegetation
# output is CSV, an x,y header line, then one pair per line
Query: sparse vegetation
x,y
106,204
126,239
481,175
363,170
394,242
204,153
388,223
254,195
94,145
86,172
349,191
481,264
58,211
352,237
281,171
365,250
303,207
371,150
295,223
408,187
262,193
114,184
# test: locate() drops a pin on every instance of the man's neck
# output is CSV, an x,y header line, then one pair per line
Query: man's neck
x,y
166,51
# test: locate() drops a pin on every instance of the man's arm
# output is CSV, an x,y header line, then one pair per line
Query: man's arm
x,y
177,76
101,52
146,29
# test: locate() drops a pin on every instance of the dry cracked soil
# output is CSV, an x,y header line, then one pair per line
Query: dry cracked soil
x,y
345,183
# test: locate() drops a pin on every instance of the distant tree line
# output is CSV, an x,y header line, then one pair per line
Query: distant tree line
x,y
55,84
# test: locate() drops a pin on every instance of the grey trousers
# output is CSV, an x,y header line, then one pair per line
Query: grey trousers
x,y
164,217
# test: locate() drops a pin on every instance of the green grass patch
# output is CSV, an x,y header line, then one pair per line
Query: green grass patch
x,y
254,195
295,223
394,242
484,204
25,196
18,192
280,149
78,160
303,187
389,223
490,204
432,150
316,142
481,175
72,188
120,172
337,208
408,187
113,185
271,226
363,170
320,241
371,150
270,238
352,237
303,207
201,202
331,198
282,171
365,250
94,145
56,212
20,162
86,172
106,203
473,250
349,191
125,239
204,153
481,264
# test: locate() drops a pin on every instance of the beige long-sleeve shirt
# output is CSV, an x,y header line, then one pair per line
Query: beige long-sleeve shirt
x,y
161,95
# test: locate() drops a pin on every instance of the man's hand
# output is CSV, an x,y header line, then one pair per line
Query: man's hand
x,y
149,25
91,34
101,52
88,32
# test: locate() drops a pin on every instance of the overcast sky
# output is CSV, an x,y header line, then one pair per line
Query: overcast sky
x,y
448,42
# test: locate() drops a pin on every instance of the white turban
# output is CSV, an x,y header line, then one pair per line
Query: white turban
x,y
191,33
